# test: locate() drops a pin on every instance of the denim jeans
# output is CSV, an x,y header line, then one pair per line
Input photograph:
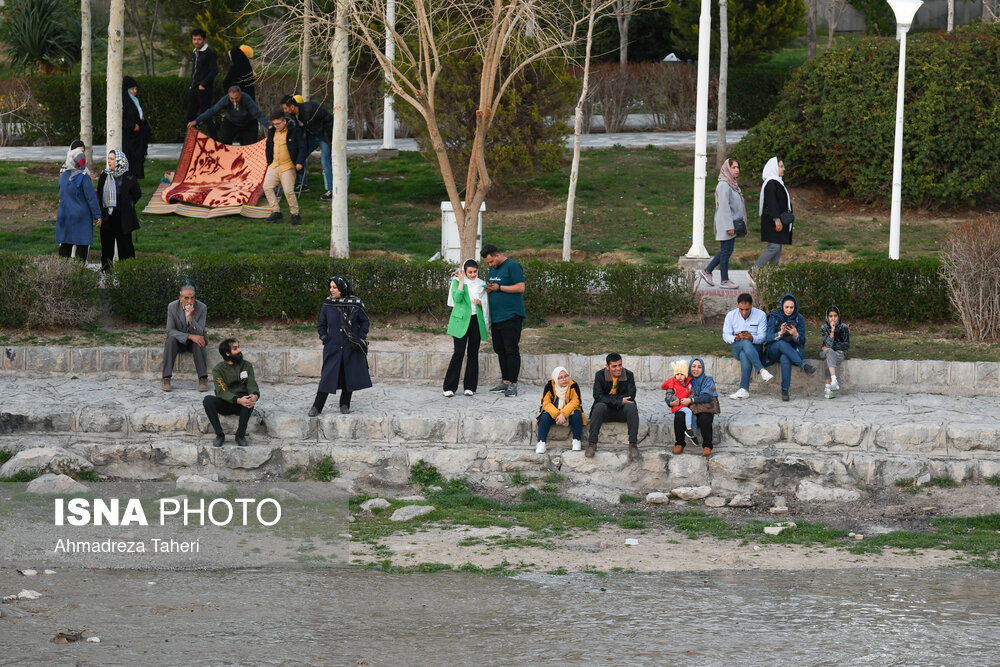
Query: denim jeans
x,y
787,356
546,421
722,258
749,357
324,156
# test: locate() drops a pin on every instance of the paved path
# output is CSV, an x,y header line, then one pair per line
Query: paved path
x,y
371,146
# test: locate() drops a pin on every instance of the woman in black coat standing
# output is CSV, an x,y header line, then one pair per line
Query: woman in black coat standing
x,y
135,128
117,193
241,71
343,327
774,201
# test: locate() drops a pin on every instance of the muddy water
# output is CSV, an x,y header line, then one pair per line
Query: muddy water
x,y
346,616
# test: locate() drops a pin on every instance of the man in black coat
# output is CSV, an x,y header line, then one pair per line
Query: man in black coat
x,y
614,400
204,69
240,118
318,124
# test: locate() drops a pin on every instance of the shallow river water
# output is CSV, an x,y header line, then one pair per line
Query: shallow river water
x,y
349,616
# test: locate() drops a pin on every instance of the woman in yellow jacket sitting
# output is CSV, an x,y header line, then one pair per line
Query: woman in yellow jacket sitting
x,y
562,403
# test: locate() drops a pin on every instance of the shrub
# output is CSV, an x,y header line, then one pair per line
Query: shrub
x,y
835,120
140,289
425,474
41,33
970,267
46,292
757,28
877,289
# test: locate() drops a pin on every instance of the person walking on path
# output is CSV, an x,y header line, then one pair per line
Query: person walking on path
x,y
562,403
241,71
470,311
135,128
729,207
786,341
204,69
285,151
614,400
186,332
240,118
775,209
236,392
79,209
745,330
343,327
117,192
506,294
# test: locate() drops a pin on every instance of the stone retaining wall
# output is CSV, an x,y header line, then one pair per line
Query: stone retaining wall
x,y
954,378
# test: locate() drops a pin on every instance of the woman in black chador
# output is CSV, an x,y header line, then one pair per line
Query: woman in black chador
x,y
343,328
135,128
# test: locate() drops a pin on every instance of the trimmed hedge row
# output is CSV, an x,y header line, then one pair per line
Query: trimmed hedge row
x,y
873,289
292,287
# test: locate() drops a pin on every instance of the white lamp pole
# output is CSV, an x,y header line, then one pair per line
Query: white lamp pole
x,y
388,112
904,11
701,134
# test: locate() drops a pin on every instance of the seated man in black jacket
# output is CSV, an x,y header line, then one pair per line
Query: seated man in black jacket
x,y
286,152
240,120
614,400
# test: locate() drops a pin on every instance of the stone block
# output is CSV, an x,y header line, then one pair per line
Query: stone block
x,y
532,370
906,372
250,457
13,358
581,369
688,470
184,455
638,366
84,360
140,360
449,462
810,491
848,433
391,365
913,437
107,455
114,359
973,437
957,470
23,421
304,362
353,428
109,418
738,467
986,469
613,433
47,359
658,368
45,460
862,374
159,420
934,373
420,429
692,492
437,364
481,429
268,365
987,375
727,372
57,485
811,434
287,425
416,365
962,378
202,485
754,430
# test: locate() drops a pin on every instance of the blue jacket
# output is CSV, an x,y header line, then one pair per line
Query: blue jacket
x,y
78,209
778,317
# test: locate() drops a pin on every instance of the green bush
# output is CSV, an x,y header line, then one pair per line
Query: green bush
x,y
876,289
140,288
757,28
835,121
46,292
750,93
42,34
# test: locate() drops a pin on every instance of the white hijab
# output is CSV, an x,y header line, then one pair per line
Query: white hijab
x,y
770,173
560,392
477,290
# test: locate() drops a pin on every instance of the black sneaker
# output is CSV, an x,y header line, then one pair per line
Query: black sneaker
x,y
219,439
327,196
511,389
241,441
296,219
502,387
303,188
691,437
275,217
344,409
313,411
809,369
784,395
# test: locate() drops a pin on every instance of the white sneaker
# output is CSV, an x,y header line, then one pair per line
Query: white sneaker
x,y
469,392
764,375
834,385
740,393
540,447
449,394
577,445
828,391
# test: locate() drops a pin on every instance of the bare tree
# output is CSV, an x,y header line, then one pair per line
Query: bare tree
x,y
951,15
623,9
116,36
721,149
834,10
810,28
86,95
306,48
144,24
574,171
339,245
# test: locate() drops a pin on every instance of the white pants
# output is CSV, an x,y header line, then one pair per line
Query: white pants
x,y
287,180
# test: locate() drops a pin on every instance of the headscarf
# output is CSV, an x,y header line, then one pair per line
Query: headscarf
x,y
726,174
477,290
128,83
76,162
770,173
704,383
113,180
347,298
559,392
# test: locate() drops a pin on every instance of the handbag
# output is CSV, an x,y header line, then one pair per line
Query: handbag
x,y
740,227
787,218
710,408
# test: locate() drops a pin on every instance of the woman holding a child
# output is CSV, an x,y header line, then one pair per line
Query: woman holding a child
x,y
703,401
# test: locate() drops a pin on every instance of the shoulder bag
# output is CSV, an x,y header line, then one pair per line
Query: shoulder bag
x,y
740,227
787,218
712,407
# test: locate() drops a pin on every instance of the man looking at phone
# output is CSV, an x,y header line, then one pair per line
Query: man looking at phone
x,y
744,330
505,289
186,333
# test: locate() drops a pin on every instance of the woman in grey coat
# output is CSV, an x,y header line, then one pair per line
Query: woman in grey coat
x,y
729,206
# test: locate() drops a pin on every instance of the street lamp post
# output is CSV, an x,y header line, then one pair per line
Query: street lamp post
x,y
701,135
904,11
388,112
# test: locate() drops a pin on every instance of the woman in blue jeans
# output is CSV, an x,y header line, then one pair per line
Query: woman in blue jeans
x,y
786,341
562,403
729,206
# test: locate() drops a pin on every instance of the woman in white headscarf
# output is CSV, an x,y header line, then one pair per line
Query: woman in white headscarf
x,y
118,192
562,403
470,315
774,201
78,207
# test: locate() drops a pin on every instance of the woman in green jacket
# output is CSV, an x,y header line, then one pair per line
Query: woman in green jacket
x,y
470,316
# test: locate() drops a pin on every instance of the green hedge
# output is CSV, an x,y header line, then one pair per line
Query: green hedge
x,y
896,291
835,121
292,288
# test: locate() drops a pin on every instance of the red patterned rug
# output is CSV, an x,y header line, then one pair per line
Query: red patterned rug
x,y
215,175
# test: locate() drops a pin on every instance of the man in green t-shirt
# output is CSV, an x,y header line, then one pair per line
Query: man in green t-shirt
x,y
236,391
506,293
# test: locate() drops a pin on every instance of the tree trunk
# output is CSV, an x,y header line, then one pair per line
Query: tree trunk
x,y
811,29
306,49
831,22
721,148
339,245
623,22
86,65
132,14
116,35
577,131
951,15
